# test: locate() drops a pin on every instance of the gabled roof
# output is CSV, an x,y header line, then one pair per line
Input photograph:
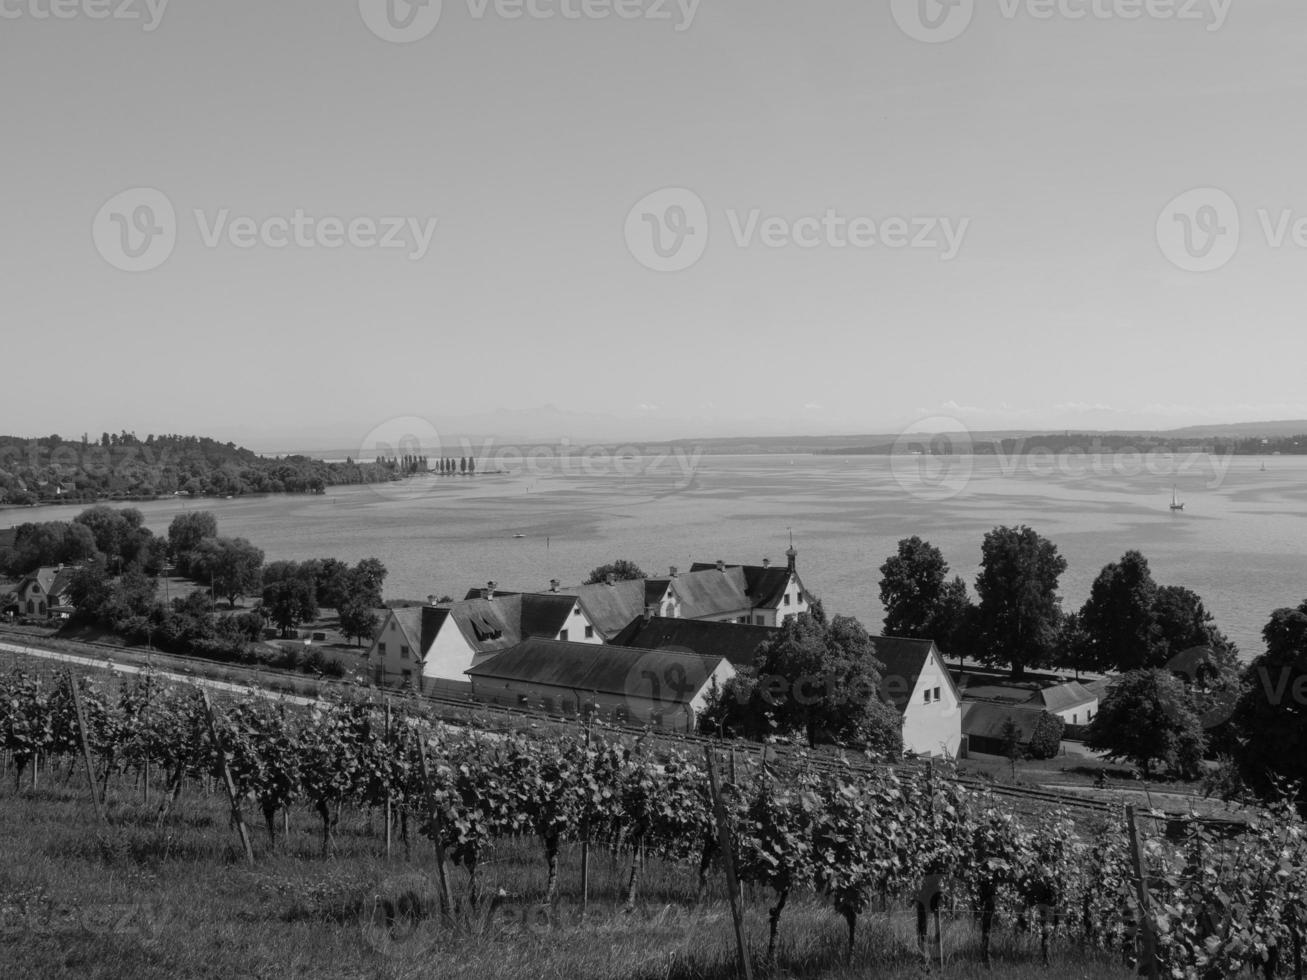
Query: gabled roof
x,y
711,592
489,624
904,659
764,586
984,720
409,620
611,607
736,642
590,668
545,614
1062,697
53,581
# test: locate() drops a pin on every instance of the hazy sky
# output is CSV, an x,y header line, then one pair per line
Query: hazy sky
x,y
1034,160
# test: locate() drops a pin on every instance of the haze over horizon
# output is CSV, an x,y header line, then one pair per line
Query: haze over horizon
x,y
1049,148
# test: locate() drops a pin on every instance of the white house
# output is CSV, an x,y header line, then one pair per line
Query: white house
x,y
917,682
1071,701
431,647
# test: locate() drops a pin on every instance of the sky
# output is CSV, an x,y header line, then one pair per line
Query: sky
x,y
723,217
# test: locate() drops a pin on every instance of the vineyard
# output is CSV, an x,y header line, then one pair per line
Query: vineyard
x,y
870,844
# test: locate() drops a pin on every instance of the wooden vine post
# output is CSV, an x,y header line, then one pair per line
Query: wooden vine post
x,y
86,749
227,780
1148,965
728,862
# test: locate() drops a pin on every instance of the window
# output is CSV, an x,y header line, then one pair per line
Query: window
x,y
787,598
576,610
403,653
563,636
381,649
926,696
936,694
757,621
589,632
1075,719
392,626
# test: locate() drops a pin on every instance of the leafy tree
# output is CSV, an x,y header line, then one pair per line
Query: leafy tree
x,y
824,680
289,594
358,621
1183,622
911,584
90,590
186,532
622,570
1020,612
1120,632
365,583
1271,716
330,582
49,543
1046,737
232,565
115,531
1147,718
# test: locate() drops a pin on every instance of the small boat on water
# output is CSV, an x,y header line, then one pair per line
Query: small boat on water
x,y
1176,504
519,535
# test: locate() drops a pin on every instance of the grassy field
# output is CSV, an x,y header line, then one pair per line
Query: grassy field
x,y
140,900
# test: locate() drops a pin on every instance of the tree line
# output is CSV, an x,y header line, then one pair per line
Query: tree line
x,y
122,466
119,562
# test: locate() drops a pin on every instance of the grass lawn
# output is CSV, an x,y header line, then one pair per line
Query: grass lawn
x,y
141,900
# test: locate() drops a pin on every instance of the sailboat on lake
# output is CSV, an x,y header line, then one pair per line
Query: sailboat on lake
x,y
1175,501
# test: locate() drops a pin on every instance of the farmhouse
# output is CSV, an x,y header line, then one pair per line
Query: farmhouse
x,y
916,681
757,595
431,647
627,685
1071,701
46,592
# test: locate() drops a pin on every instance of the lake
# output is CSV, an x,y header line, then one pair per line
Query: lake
x,y
1240,542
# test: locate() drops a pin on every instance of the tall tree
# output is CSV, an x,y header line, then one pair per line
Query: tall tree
x,y
1019,612
1183,622
186,532
1120,631
232,566
911,584
1271,716
1149,718
289,594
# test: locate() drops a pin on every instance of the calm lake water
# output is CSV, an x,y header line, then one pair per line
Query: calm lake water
x,y
1240,542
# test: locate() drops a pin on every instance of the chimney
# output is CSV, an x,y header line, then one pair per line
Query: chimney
x,y
650,610
490,589
673,572
766,563
431,600
721,565
554,585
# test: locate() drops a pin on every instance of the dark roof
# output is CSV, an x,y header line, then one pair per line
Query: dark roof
x,y
592,668
53,580
904,659
410,621
545,614
737,642
984,720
